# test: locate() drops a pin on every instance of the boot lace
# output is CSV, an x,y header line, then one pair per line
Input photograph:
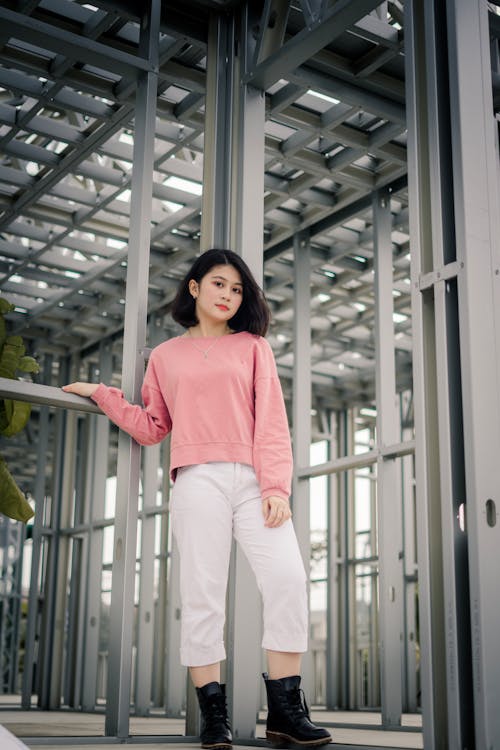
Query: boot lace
x,y
218,712
297,702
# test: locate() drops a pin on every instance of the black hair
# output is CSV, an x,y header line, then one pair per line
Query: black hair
x,y
253,314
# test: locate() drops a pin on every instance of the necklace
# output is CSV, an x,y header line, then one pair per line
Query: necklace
x,y
204,351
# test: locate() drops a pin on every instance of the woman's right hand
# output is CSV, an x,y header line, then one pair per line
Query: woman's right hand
x,y
81,389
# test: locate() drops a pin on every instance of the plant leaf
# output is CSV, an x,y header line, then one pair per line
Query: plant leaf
x,y
13,503
28,364
12,351
17,413
5,306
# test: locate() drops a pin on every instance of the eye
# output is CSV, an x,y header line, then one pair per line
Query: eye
x,y
238,290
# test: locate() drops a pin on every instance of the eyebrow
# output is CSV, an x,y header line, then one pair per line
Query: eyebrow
x,y
218,276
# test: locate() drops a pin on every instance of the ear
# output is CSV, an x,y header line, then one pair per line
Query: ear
x,y
193,288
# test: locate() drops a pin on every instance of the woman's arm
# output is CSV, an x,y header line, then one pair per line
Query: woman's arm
x,y
148,424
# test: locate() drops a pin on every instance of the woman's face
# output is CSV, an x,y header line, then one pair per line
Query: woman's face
x,y
219,293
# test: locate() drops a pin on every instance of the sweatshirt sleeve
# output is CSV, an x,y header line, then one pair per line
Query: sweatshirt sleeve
x,y
272,452
147,424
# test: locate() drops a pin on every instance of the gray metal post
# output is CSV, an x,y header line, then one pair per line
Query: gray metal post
x,y
39,495
77,580
477,197
301,410
388,481
146,610
122,600
216,201
65,501
246,232
410,702
451,238
333,660
216,218
97,471
48,625
427,471
175,674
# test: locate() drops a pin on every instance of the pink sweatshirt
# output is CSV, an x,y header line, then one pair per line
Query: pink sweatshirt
x,y
225,407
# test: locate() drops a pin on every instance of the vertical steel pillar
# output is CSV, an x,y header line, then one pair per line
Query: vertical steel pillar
x,y
216,214
175,674
477,198
64,500
410,702
233,213
389,520
247,234
146,611
301,411
421,93
77,580
455,363
216,200
333,650
45,676
345,620
97,471
39,495
122,598
11,555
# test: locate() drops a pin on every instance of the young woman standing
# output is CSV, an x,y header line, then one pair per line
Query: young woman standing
x,y
216,389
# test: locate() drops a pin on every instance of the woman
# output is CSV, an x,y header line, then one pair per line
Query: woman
x,y
217,390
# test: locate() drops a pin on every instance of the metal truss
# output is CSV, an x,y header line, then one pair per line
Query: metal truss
x,y
333,78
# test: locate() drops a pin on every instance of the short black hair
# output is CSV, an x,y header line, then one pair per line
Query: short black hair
x,y
253,314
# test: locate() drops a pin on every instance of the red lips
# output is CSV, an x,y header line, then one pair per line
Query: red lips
x,y
223,307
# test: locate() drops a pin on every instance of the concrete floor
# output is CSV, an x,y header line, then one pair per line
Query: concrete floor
x,y
63,730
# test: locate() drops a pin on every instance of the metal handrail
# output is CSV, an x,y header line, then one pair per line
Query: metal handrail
x,y
46,395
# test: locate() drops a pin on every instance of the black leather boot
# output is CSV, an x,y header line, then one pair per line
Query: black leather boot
x,y
215,730
288,714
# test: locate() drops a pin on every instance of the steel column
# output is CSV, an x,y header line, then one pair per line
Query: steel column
x,y
477,197
146,610
440,483
97,471
301,411
247,233
333,650
39,495
389,521
216,202
48,620
122,599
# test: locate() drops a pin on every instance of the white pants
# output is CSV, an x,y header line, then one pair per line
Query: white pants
x,y
210,503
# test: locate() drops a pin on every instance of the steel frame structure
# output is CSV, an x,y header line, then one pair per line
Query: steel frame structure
x,y
323,139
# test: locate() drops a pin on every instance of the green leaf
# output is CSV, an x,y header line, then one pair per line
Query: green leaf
x,y
3,332
17,413
3,416
5,306
28,364
12,501
12,351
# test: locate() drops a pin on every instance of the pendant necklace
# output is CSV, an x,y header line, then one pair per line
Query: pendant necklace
x,y
204,351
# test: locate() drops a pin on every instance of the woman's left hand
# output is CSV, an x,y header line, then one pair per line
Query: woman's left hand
x,y
276,511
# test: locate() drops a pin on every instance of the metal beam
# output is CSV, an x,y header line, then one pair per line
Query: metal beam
x,y
320,32
29,29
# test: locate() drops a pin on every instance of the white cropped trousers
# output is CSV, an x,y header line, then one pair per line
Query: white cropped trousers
x,y
211,503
